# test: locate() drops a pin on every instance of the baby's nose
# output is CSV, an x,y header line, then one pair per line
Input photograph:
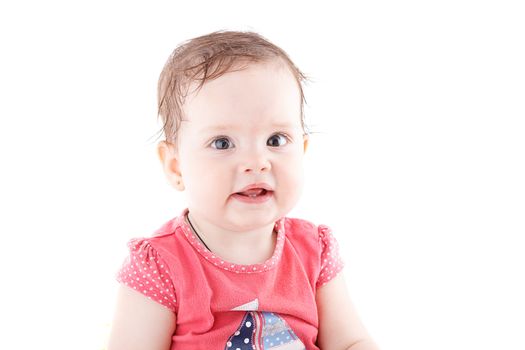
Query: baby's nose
x,y
256,163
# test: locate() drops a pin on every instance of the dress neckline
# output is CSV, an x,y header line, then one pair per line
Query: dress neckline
x,y
219,262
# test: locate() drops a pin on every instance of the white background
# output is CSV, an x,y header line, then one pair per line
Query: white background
x,y
417,162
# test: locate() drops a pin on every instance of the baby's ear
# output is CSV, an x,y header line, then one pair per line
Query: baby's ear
x,y
305,140
170,164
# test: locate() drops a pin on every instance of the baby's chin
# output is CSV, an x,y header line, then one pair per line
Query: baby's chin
x,y
244,222
253,219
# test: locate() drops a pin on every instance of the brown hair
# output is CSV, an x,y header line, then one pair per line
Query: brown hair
x,y
206,58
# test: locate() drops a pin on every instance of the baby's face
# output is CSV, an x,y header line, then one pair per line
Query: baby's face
x,y
243,130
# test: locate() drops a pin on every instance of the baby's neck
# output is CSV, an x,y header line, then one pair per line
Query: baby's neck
x,y
243,248
247,254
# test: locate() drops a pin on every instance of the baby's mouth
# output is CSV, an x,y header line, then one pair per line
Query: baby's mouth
x,y
254,192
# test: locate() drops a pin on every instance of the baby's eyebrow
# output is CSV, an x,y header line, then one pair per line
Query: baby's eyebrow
x,y
226,127
285,125
217,128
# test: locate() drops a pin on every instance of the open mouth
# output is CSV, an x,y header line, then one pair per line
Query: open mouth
x,y
253,192
254,196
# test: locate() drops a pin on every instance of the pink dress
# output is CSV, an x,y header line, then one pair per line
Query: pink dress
x,y
221,305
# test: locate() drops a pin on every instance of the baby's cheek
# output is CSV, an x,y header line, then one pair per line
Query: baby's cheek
x,y
212,180
291,178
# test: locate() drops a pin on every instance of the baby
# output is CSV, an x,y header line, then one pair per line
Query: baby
x,y
232,271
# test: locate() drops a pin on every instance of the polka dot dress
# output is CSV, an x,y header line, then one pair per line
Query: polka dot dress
x,y
331,262
145,271
237,268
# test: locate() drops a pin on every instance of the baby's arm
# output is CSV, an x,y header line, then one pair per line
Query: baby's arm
x,y
339,324
140,323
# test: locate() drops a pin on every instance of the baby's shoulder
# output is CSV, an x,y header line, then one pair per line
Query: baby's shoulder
x,y
167,229
304,228
310,240
157,238
160,243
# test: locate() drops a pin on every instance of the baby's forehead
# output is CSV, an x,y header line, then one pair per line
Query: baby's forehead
x,y
240,127
215,72
218,126
256,89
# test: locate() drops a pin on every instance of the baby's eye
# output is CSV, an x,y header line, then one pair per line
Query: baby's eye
x,y
221,143
277,140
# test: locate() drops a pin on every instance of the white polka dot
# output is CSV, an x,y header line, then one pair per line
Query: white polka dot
x,y
229,344
248,324
246,340
237,333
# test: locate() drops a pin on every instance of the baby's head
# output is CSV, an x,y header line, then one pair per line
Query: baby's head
x,y
232,107
206,58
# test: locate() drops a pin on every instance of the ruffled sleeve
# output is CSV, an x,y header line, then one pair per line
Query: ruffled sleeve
x,y
331,262
146,272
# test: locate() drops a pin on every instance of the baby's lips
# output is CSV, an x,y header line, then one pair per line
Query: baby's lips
x,y
253,192
256,186
253,196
